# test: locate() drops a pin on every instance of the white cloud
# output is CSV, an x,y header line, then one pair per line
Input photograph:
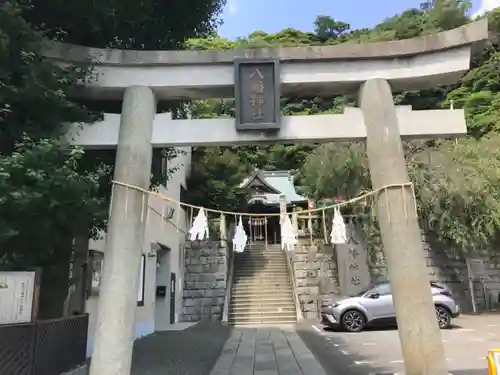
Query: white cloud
x,y
486,6
232,7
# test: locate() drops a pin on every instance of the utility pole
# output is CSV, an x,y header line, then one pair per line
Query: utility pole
x,y
401,236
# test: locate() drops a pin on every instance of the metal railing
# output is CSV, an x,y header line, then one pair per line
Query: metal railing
x,y
291,275
229,285
47,347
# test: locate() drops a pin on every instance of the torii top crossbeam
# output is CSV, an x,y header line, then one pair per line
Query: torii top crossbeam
x,y
412,64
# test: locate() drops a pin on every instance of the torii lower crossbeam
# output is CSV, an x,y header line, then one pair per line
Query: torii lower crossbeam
x,y
349,126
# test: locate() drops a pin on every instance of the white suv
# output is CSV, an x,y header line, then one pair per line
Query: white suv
x,y
374,306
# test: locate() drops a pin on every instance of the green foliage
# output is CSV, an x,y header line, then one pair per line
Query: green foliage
x,y
217,174
457,184
335,169
143,24
33,95
43,196
50,191
41,183
456,181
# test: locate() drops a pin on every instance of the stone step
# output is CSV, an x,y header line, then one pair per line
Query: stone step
x,y
260,278
261,315
271,276
242,284
266,309
258,296
236,293
261,297
260,254
277,324
260,251
261,268
244,304
260,291
240,320
259,262
263,281
249,272
259,302
260,271
260,265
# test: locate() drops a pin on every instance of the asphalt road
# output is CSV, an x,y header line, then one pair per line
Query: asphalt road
x,y
193,351
378,351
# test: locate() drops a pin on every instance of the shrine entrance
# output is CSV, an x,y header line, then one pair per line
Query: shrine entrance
x,y
257,79
265,188
264,229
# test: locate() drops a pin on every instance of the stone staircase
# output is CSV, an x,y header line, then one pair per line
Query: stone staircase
x,y
261,292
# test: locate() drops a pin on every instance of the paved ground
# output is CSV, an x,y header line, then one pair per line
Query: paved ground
x,y
193,351
266,351
378,350
214,349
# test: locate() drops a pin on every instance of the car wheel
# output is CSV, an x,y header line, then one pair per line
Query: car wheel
x,y
353,321
443,317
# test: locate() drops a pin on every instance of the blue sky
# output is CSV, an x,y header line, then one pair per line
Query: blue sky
x,y
241,17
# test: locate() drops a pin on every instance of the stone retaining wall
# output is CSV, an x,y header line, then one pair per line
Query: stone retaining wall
x,y
322,271
315,275
204,280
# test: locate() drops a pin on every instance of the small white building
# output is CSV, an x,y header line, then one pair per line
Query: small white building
x,y
162,276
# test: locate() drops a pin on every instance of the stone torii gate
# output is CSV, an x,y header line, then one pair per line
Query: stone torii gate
x,y
374,70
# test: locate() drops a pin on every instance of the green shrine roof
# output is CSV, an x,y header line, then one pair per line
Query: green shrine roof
x,y
274,184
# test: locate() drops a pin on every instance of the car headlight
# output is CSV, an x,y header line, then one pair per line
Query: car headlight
x,y
333,304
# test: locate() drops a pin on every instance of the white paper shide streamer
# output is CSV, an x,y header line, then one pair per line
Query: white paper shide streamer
x,y
240,238
288,235
338,234
199,230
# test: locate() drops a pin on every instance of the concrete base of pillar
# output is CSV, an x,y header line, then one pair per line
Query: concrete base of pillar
x,y
82,370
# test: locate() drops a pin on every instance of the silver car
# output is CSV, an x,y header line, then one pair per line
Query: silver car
x,y
374,306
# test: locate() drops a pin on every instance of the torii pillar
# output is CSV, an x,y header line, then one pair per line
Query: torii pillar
x,y
419,333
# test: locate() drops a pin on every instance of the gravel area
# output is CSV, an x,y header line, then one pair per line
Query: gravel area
x,y
192,351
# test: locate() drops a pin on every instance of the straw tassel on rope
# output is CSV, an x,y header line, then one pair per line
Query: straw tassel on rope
x,y
364,196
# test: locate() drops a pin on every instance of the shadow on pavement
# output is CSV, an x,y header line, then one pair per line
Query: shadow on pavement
x,y
335,362
383,328
470,372
192,351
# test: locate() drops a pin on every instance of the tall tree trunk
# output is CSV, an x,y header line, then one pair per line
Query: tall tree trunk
x,y
78,297
55,281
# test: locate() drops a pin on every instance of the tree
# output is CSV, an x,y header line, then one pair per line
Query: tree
x,y
341,169
51,192
457,186
46,199
145,24
215,178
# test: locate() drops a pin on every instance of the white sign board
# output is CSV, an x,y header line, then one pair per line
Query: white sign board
x,y
16,297
140,291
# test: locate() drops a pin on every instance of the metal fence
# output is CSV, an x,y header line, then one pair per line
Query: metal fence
x,y
48,347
